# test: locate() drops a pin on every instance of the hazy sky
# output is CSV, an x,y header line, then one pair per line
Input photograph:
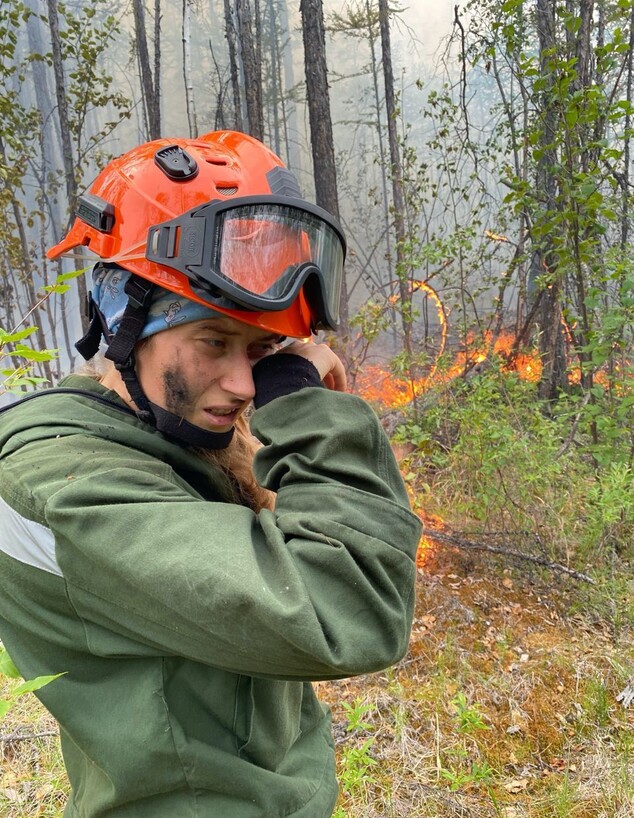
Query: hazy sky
x,y
427,21
430,21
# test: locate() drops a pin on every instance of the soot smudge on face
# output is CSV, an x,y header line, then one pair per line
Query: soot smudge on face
x,y
178,398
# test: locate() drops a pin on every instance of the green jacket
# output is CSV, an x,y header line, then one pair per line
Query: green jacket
x,y
189,627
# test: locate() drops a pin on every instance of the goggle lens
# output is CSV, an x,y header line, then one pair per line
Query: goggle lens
x,y
259,253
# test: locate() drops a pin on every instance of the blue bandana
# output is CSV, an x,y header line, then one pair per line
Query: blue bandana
x,y
166,310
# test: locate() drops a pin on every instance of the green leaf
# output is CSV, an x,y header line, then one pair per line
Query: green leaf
x,y
35,354
34,684
10,337
7,668
68,276
59,289
5,706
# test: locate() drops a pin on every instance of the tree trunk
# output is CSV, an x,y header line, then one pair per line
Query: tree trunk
x,y
252,72
627,128
25,271
275,136
257,19
156,116
148,92
551,346
67,148
230,34
398,193
42,93
187,70
321,136
379,131
289,108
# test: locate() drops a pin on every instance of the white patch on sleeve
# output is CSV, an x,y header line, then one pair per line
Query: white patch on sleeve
x,y
26,541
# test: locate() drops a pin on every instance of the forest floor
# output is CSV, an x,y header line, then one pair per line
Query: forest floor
x,y
506,705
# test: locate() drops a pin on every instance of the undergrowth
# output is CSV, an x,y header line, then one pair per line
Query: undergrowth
x,y
490,460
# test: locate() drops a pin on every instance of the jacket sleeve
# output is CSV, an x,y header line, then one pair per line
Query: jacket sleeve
x,y
320,587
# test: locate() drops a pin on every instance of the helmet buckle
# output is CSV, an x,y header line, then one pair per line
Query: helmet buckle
x,y
138,291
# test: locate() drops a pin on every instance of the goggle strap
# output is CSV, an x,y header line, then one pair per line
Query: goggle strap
x,y
162,244
139,292
162,241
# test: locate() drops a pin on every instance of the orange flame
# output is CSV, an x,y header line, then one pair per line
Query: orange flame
x,y
378,385
427,545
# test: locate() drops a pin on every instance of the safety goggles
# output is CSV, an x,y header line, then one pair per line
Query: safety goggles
x,y
258,251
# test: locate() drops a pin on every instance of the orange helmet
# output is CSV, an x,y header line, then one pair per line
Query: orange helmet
x,y
219,220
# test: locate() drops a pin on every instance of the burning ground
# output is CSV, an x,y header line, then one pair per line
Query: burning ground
x,y
515,698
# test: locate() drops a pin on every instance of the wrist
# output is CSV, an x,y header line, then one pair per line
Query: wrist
x,y
282,374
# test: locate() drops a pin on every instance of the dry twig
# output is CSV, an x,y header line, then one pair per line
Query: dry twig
x,y
11,737
466,544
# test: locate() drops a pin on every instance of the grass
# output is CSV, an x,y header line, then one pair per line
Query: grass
x,y
33,781
504,707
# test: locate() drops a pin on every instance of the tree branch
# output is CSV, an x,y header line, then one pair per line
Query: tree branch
x,y
471,545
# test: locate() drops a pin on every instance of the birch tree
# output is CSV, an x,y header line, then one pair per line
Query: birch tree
x,y
398,196
190,103
359,22
48,140
61,95
287,81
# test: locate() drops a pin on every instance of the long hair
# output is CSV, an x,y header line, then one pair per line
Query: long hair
x,y
235,461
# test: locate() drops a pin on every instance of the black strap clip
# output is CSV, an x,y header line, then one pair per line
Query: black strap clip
x,y
88,345
139,292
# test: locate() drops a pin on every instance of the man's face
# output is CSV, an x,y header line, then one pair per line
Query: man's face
x,y
201,371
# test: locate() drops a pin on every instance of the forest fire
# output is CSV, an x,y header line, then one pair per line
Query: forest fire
x,y
380,386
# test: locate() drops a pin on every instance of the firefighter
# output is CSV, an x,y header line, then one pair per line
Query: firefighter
x,y
191,571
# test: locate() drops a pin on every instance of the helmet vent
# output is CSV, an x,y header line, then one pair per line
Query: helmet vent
x,y
227,191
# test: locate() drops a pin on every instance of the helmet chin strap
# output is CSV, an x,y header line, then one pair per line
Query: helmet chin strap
x,y
167,422
121,352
